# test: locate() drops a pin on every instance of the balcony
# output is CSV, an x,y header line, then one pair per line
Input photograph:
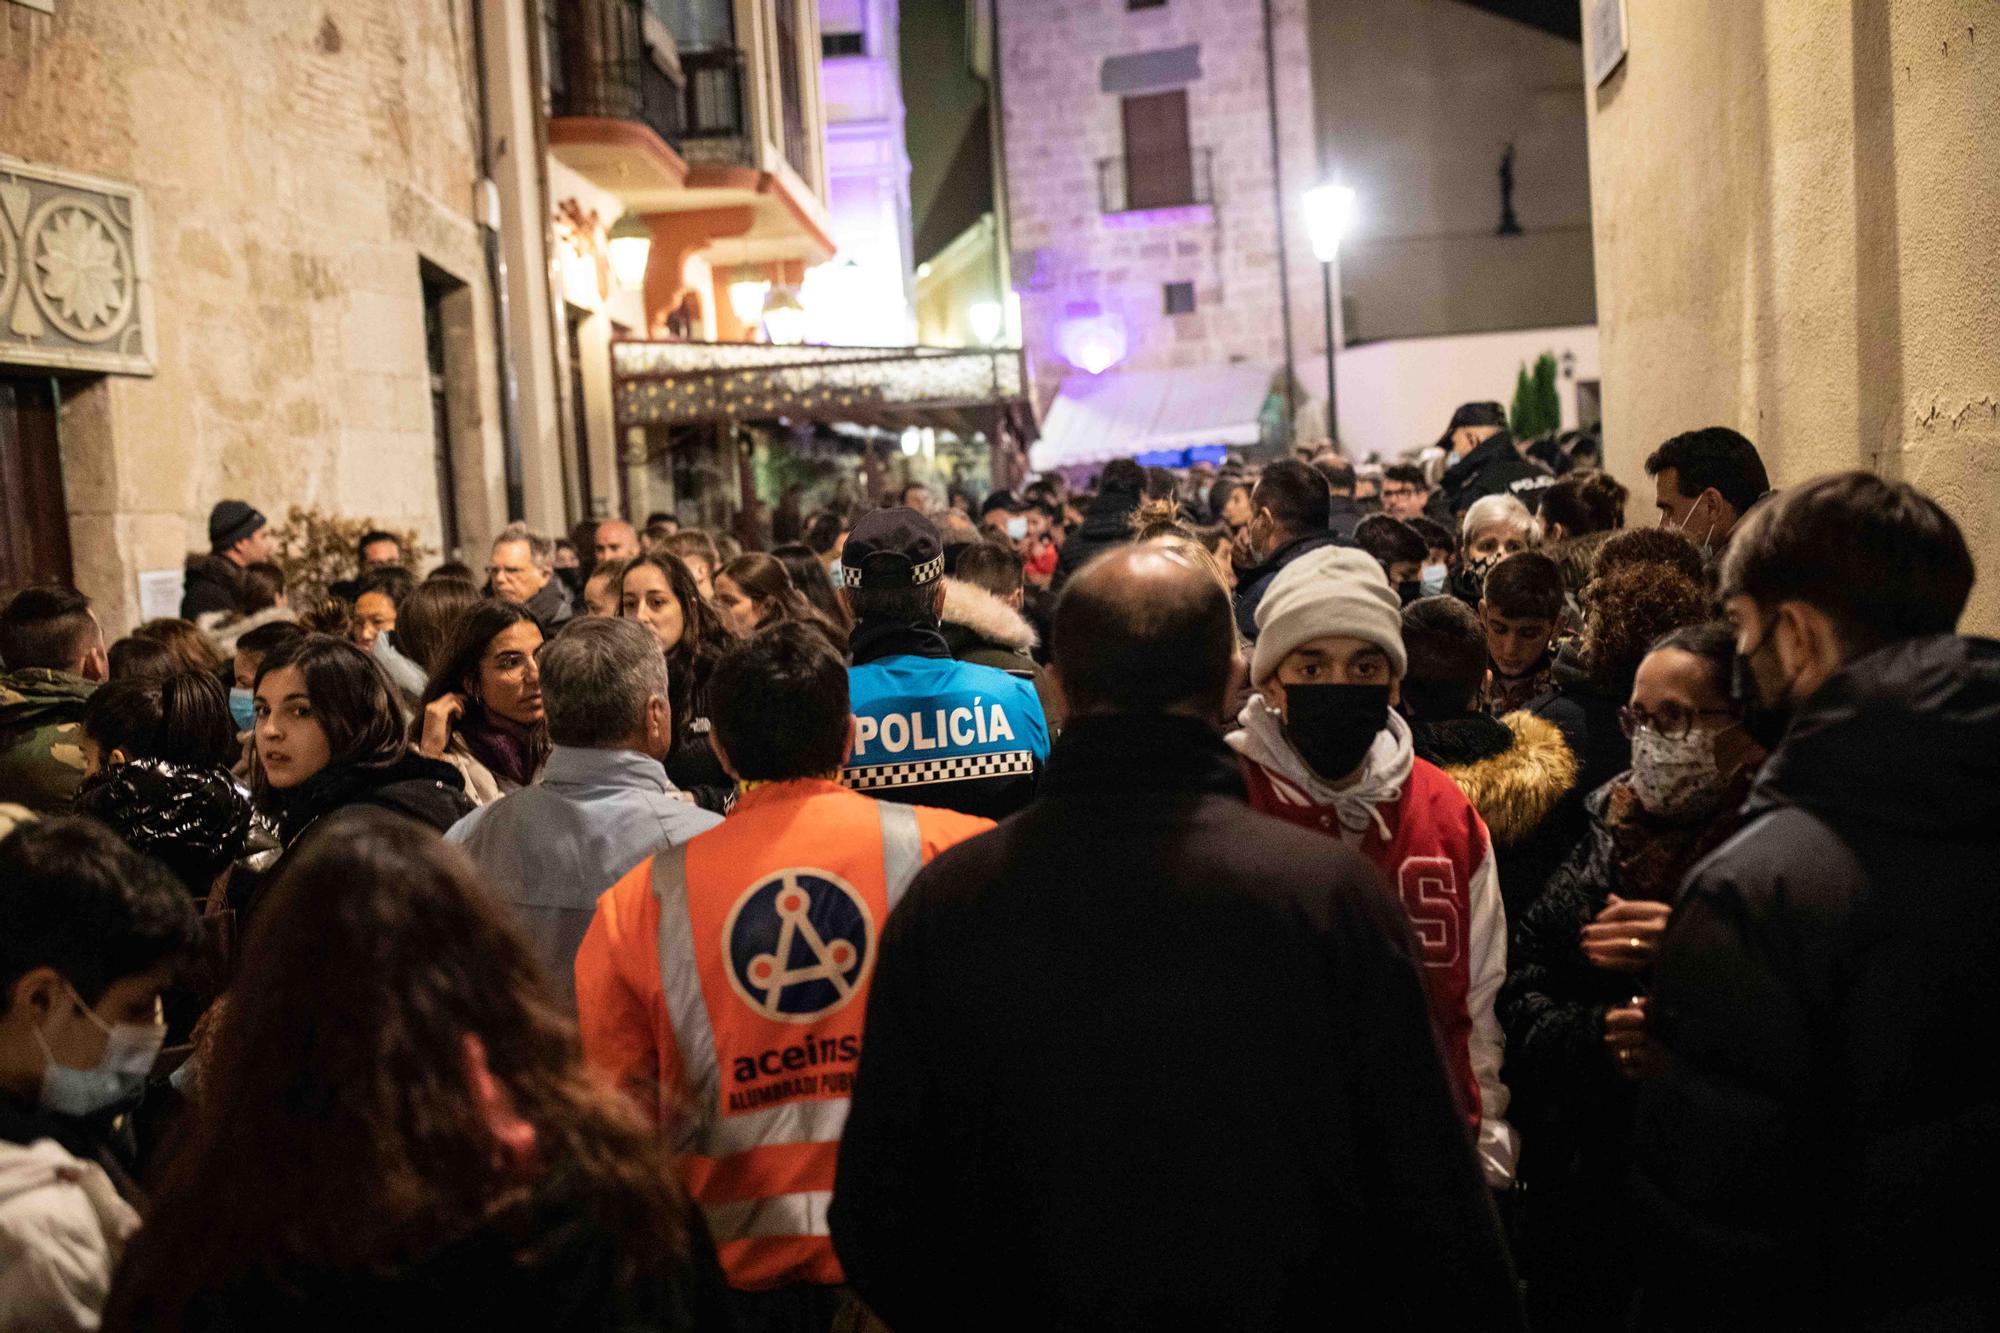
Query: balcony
x,y
1161,181
669,130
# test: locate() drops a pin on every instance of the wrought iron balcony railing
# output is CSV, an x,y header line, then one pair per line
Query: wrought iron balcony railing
x,y
600,66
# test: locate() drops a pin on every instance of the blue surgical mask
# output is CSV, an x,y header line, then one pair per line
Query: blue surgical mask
x,y
242,709
1017,529
1432,579
120,1074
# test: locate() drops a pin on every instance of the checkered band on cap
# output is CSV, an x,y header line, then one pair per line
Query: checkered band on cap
x,y
928,571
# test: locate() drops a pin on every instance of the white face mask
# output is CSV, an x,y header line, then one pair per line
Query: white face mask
x,y
1017,529
1706,544
1431,579
129,1052
1675,778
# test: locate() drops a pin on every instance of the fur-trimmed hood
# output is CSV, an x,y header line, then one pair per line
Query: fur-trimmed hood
x,y
1515,790
224,635
986,617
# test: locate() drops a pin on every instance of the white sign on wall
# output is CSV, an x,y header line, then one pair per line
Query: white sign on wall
x,y
159,593
1607,39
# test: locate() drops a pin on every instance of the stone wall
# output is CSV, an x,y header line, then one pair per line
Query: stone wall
x,y
299,162
1416,100
1797,215
1067,251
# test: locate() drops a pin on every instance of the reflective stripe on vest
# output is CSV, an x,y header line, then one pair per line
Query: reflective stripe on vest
x,y
706,1133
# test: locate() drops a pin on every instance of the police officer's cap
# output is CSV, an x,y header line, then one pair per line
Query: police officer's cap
x,y
892,548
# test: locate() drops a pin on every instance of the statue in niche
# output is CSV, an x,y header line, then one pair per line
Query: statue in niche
x,y
1509,224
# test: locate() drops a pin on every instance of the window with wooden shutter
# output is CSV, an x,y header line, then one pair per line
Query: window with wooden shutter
x,y
1159,157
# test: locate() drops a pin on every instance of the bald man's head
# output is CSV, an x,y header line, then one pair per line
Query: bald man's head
x,y
615,540
1144,629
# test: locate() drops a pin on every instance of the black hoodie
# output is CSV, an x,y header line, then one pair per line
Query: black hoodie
x,y
1823,1148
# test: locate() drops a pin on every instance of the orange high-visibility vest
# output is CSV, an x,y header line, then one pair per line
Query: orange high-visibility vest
x,y
764,937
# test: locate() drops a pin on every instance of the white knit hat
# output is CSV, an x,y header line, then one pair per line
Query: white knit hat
x,y
1333,591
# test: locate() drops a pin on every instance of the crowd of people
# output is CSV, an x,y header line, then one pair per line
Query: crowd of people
x,y
1242,897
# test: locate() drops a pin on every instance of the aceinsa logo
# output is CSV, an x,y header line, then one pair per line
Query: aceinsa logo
x,y
798,944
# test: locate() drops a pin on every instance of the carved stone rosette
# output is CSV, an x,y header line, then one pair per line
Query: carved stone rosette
x,y
75,277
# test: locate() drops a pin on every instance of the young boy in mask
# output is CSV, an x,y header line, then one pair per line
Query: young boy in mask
x,y
1324,748
94,932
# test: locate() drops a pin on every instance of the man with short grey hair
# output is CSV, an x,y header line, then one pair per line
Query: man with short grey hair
x,y
522,571
603,803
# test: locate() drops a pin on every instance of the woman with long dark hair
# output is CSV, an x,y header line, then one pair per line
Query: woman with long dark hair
x,y
482,711
756,590
659,592
810,577
394,1128
329,735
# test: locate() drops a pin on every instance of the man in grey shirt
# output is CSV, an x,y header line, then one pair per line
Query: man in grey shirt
x,y
603,803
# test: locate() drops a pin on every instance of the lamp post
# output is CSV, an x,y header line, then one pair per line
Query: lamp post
x,y
1329,215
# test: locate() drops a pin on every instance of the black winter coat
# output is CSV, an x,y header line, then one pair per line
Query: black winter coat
x,y
1106,523
1142,1057
1494,467
429,791
1586,712
211,584
1252,583
1823,1148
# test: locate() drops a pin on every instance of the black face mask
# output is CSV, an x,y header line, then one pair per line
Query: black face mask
x,y
1332,726
1409,590
1765,723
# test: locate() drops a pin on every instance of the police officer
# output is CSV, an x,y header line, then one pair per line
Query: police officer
x,y
927,729
725,980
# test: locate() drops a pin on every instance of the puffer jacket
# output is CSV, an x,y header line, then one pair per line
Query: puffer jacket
x,y
41,738
63,1228
1823,1147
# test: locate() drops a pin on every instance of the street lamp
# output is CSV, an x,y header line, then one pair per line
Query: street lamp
x,y
1329,217
784,317
631,247
988,319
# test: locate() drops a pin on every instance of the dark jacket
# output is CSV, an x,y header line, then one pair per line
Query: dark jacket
x,y
1144,1058
211,584
1585,710
1518,773
551,607
1107,522
41,737
429,791
1494,467
1821,1148
1344,516
1252,582
548,1262
980,628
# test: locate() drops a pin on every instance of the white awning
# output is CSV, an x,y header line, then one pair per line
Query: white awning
x,y
1096,418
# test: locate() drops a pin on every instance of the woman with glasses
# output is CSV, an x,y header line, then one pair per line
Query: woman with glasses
x,y
1572,1003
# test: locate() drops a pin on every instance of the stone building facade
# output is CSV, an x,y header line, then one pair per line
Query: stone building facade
x,y
1086,248
1807,250
306,173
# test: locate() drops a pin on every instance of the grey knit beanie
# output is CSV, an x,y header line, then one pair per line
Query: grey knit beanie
x,y
1333,591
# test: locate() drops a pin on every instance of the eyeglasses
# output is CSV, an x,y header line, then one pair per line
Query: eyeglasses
x,y
1398,492
1671,721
